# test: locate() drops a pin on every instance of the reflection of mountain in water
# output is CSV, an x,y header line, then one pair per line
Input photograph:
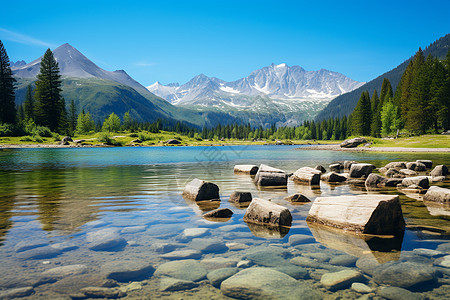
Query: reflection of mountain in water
x,y
382,249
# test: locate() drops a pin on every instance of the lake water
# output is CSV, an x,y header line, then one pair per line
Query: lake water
x,y
57,205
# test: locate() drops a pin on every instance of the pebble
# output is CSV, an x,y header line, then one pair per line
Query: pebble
x,y
341,279
361,288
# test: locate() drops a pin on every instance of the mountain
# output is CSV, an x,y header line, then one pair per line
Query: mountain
x,y
101,92
346,103
276,93
17,64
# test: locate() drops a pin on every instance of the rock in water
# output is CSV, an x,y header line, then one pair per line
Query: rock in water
x,y
127,270
403,274
440,170
374,180
421,181
298,198
167,284
396,165
188,269
264,212
240,197
396,293
437,194
17,292
348,164
370,214
307,175
341,279
102,292
320,168
336,167
352,143
265,283
333,177
217,276
360,170
105,240
428,163
199,190
268,176
219,213
246,169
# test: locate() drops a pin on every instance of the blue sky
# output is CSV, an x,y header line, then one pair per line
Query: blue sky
x,y
172,41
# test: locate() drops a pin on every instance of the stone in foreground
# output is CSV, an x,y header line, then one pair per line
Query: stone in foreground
x,y
360,170
440,170
127,270
333,177
352,143
338,280
199,190
307,175
167,284
437,194
240,197
16,292
268,176
396,293
421,181
369,214
264,212
102,292
189,269
404,274
428,163
265,283
246,169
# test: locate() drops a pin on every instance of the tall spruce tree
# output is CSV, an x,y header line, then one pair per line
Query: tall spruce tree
x,y
50,108
361,116
72,117
375,126
28,105
7,95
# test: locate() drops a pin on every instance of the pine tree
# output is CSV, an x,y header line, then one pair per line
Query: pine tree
x,y
72,117
361,116
50,108
390,118
375,126
29,104
85,123
112,124
7,96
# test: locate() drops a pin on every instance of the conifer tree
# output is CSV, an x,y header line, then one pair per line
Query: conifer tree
x,y
72,117
7,95
361,116
50,108
29,104
375,125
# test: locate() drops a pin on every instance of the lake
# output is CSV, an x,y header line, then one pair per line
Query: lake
x,y
72,218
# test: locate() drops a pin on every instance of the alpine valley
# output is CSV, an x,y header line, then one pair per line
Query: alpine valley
x,y
276,94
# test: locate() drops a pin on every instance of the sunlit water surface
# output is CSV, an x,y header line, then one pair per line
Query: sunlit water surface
x,y
59,197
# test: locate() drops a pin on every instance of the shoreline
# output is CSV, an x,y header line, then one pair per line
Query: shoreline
x,y
375,149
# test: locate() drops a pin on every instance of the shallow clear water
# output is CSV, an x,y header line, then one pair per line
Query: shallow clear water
x,y
63,197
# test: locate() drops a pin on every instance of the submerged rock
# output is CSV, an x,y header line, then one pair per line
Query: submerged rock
x,y
168,284
297,198
105,240
437,194
16,292
403,274
182,254
219,213
265,283
361,288
189,269
371,214
102,292
246,169
39,253
298,239
217,276
396,293
127,270
64,271
268,176
199,190
339,280
264,212
195,232
208,245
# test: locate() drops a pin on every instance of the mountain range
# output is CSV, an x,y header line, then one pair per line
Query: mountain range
x,y
346,103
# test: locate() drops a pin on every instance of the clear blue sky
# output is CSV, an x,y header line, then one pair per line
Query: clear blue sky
x,y
172,41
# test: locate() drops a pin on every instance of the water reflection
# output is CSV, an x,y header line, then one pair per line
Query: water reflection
x,y
268,232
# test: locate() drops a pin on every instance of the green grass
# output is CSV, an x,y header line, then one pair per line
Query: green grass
x,y
423,141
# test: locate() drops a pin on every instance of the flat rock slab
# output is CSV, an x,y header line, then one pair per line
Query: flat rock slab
x,y
189,269
200,190
438,195
168,284
134,229
396,293
127,270
403,274
28,245
182,254
205,245
39,253
246,169
265,283
339,280
65,271
217,276
264,212
16,293
267,258
195,232
107,239
370,214
102,292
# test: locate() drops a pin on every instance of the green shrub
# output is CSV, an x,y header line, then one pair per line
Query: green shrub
x,y
56,137
6,129
26,139
133,135
37,139
105,139
42,131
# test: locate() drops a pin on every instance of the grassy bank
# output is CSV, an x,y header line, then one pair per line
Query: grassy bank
x,y
423,141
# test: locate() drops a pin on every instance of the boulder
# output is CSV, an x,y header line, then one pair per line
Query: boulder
x,y
339,280
246,169
403,274
65,140
187,269
208,245
333,177
268,176
336,167
320,168
437,178
307,175
264,212
360,170
374,181
437,194
217,276
297,198
199,190
407,172
440,170
219,213
370,214
352,143
396,165
107,239
393,182
428,163
416,166
239,197
348,164
173,142
396,293
393,173
421,181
